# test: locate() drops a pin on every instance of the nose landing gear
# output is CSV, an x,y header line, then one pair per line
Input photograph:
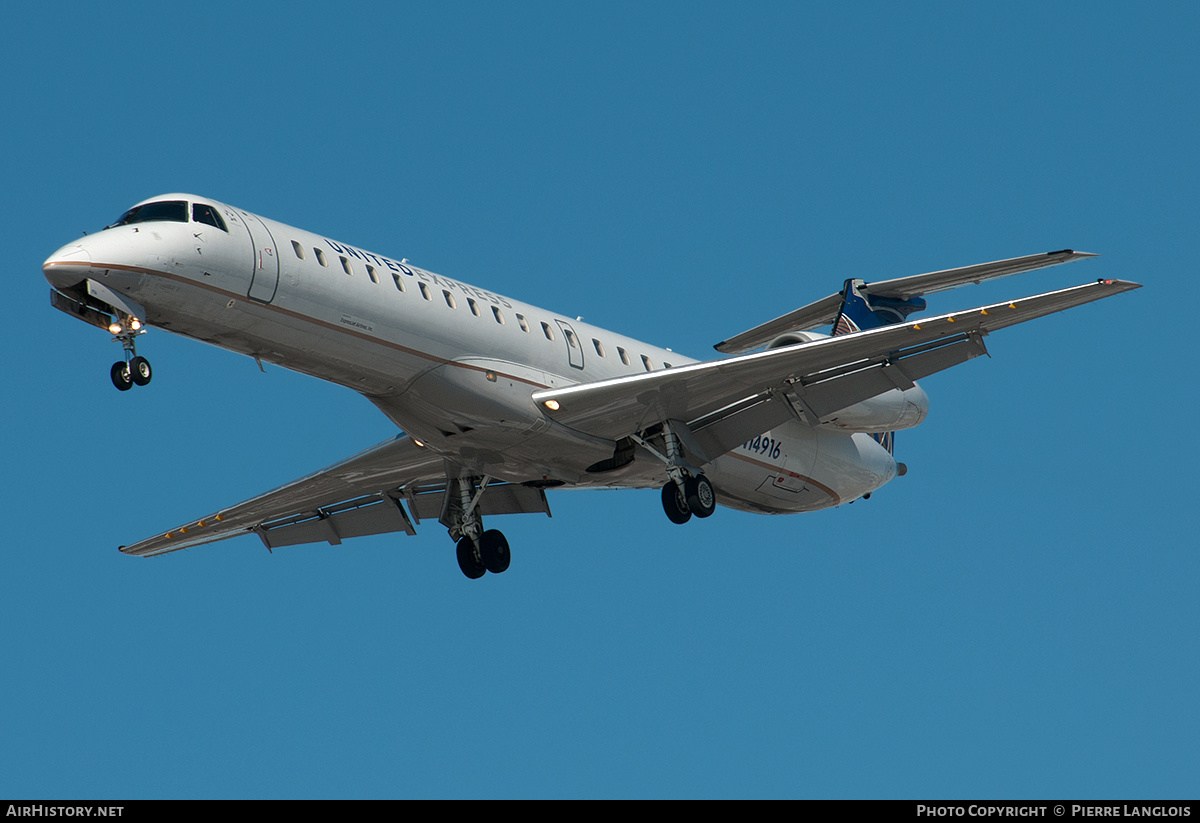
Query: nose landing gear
x,y
133,369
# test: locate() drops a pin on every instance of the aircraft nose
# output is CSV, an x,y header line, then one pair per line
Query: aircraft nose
x,y
67,266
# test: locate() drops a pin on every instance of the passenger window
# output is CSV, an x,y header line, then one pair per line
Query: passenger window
x,y
646,363
570,338
424,290
399,282
546,330
474,307
371,274
521,321
321,257
346,265
203,213
499,317
449,299
599,347
298,249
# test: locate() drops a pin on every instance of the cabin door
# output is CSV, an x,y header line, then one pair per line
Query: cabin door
x,y
574,345
265,279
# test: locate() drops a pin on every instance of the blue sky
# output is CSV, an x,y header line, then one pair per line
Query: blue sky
x,y
1017,617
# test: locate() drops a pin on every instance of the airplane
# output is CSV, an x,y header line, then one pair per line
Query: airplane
x,y
497,400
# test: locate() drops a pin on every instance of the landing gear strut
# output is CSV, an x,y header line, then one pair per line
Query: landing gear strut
x,y
133,369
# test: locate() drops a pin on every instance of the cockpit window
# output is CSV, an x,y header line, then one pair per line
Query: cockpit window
x,y
204,213
174,211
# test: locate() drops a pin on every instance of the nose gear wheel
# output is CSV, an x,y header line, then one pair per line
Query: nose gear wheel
x,y
139,370
122,375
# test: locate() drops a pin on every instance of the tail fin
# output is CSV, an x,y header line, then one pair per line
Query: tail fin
x,y
887,440
861,310
870,311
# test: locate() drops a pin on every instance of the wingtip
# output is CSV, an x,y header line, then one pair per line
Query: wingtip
x,y
1071,253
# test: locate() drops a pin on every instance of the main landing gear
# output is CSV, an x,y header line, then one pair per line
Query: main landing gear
x,y
133,369
687,491
694,496
478,551
489,554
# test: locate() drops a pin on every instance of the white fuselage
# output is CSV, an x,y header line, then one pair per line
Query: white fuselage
x,y
451,364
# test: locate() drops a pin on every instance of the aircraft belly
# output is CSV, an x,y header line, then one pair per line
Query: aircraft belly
x,y
479,413
472,393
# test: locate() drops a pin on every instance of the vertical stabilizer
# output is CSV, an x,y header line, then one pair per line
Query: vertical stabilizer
x,y
861,311
887,440
870,311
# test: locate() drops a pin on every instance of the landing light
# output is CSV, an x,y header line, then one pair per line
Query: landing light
x,y
115,328
135,324
552,405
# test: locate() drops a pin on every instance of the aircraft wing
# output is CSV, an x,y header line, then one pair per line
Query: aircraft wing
x,y
364,494
825,375
825,311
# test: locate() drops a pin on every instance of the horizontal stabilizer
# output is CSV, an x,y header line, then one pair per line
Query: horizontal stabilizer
x,y
825,311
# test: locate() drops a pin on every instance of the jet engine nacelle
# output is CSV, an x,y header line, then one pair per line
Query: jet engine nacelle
x,y
794,337
887,412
